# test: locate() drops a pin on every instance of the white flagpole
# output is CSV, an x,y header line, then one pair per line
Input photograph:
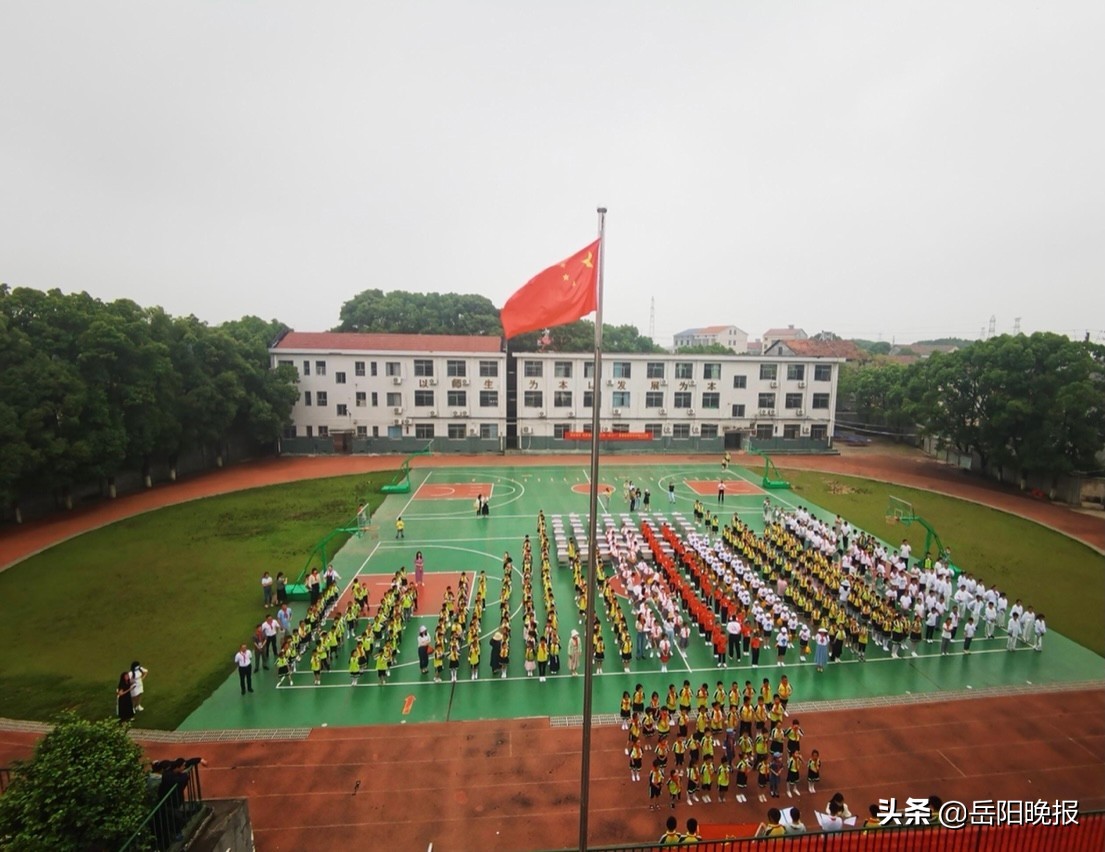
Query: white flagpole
x,y
592,547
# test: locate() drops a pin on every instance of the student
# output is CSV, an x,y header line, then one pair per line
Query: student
x,y
692,784
691,835
813,770
655,779
636,756
873,821
724,774
439,661
671,836
794,773
675,789
1014,629
771,827
399,527
706,779
775,772
793,820
968,635
624,710
1040,630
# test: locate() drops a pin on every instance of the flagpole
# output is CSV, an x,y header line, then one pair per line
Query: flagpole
x,y
592,547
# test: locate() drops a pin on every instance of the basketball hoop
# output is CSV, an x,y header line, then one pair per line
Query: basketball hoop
x,y
891,519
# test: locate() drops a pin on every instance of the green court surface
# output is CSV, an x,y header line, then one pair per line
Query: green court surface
x,y
440,521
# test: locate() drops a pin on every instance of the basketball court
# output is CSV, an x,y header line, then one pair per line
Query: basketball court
x,y
452,539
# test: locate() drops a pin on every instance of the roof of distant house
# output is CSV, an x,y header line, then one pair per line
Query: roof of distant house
x,y
708,329
340,341
925,349
824,349
783,333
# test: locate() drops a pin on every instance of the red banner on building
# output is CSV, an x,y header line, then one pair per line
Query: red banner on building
x,y
609,436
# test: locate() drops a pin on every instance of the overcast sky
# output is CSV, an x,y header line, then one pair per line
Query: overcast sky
x,y
895,170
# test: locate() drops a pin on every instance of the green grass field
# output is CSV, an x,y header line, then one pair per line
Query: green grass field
x,y
1057,575
178,588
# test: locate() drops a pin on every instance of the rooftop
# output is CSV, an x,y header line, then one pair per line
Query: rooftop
x,y
343,341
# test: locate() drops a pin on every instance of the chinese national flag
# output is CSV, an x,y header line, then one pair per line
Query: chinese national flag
x,y
559,295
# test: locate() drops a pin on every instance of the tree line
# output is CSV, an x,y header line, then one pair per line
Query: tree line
x,y
1032,404
90,389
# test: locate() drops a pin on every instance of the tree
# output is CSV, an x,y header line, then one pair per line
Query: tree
x,y
580,337
401,312
707,349
83,789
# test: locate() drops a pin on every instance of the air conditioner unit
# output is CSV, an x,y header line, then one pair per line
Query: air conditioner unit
x,y
398,422
775,384
399,409
407,421
526,430
433,414
616,412
663,411
690,412
610,383
771,412
456,414
801,384
397,380
542,414
571,414
464,414
433,382
800,413
472,433
466,382
667,428
663,383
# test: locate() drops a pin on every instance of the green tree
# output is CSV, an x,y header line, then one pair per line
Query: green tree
x,y
83,789
579,336
401,312
706,349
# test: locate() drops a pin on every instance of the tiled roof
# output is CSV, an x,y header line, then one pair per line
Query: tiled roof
x,y
342,341
824,349
777,333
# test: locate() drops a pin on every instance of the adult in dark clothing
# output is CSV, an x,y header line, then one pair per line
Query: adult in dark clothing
x,y
123,697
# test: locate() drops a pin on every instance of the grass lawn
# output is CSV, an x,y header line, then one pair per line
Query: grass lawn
x,y
1049,571
177,589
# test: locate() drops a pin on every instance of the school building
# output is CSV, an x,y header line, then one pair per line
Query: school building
x,y
397,392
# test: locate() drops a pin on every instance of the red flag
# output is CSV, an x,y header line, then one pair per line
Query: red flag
x,y
561,294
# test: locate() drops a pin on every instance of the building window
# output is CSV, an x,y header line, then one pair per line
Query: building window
x,y
310,431
533,369
740,382
358,368
457,431
376,399
456,369
489,369
425,431
684,369
822,372
394,400
562,399
306,397
423,367
709,430
621,428
392,368
820,400
769,372
654,429
588,399
339,378
559,429
681,430
562,369
362,431
320,398
489,399
654,399
711,399
682,399
289,430
737,410
792,400
362,399
796,372
424,399
588,369
819,431
790,430
654,369
456,399
324,431
621,399
622,369
765,400
533,399
711,370
320,370
372,372
765,431
342,409
489,431
306,368
285,364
